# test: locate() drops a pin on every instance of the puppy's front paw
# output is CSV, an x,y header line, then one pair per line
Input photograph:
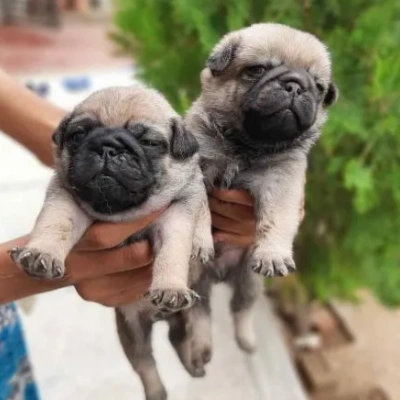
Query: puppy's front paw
x,y
172,300
203,246
37,263
203,253
271,263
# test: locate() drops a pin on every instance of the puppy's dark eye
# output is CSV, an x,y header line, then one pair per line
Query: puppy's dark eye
x,y
255,71
150,143
77,136
320,87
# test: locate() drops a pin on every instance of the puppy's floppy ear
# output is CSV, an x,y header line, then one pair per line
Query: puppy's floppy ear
x,y
331,95
56,137
221,58
58,133
183,143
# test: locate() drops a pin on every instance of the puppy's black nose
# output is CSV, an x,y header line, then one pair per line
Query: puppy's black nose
x,y
293,87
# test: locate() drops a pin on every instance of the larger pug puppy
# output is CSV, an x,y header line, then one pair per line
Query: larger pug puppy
x,y
121,154
264,100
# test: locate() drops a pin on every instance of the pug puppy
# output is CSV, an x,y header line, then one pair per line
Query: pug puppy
x,y
122,154
265,94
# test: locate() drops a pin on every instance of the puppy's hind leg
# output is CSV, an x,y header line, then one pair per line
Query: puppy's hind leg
x,y
190,331
247,286
135,338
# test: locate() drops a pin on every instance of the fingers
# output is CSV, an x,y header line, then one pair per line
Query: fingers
x,y
233,196
232,215
86,265
116,289
102,235
233,211
231,238
246,228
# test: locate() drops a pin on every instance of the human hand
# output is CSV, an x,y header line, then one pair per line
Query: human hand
x,y
232,214
108,275
100,272
114,277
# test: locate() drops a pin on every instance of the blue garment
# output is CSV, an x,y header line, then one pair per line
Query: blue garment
x,y
16,378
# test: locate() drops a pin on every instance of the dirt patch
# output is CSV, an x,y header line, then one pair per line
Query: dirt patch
x,y
337,350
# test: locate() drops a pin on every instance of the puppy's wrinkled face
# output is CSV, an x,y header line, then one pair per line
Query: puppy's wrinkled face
x,y
113,150
276,79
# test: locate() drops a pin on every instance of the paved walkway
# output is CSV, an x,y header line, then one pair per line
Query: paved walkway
x,y
75,47
373,357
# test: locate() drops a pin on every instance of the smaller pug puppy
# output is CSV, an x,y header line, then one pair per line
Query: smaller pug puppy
x,y
121,154
265,94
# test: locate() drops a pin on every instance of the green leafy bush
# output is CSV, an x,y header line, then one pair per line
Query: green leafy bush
x,y
350,237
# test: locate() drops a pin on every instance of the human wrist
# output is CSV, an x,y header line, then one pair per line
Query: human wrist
x,y
9,272
14,283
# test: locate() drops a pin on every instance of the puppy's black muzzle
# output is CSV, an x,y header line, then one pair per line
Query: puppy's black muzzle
x,y
281,106
110,171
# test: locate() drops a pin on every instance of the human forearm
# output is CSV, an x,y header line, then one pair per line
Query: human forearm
x,y
14,283
27,118
102,272
95,272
